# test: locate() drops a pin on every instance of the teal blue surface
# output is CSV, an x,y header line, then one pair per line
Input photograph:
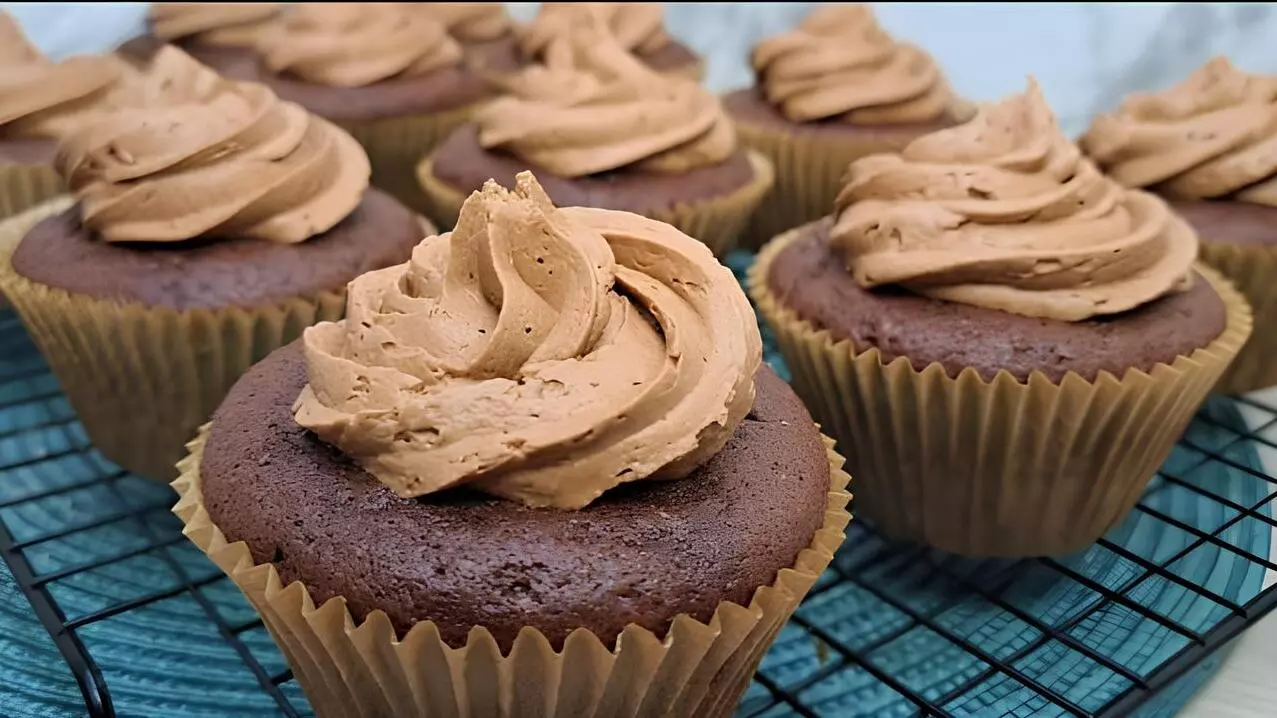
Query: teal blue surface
x,y
168,658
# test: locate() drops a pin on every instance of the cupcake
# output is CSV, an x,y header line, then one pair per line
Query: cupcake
x,y
1205,146
602,130
638,26
220,35
200,237
1005,343
484,30
384,72
833,90
532,467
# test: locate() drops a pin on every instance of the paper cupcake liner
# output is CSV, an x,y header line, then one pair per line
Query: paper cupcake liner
x,y
143,379
1001,467
350,669
1253,270
716,221
809,168
396,144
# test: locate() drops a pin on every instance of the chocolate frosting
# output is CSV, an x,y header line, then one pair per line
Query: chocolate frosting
x,y
42,99
840,63
232,160
468,21
538,354
594,107
639,27
1214,135
356,44
1003,212
218,24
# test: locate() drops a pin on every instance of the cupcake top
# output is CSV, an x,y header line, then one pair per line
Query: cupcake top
x,y
540,354
43,99
222,159
468,21
639,27
356,44
212,23
1004,212
593,107
1213,135
840,64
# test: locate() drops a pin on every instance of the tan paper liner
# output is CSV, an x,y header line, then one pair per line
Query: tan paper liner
x,y
1253,270
396,144
364,670
994,468
809,170
716,221
143,379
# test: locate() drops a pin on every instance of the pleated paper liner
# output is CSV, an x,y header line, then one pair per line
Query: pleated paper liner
x,y
349,669
994,468
143,379
1253,270
715,221
396,144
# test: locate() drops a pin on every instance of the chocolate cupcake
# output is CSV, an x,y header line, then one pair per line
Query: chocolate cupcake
x,y
639,27
1205,146
220,35
533,451
203,236
384,72
1005,343
833,90
602,130
484,30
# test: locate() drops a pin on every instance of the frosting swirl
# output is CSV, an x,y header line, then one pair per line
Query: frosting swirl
x,y
356,44
1213,135
542,355
468,21
231,160
40,98
1003,212
839,63
639,27
594,107
212,23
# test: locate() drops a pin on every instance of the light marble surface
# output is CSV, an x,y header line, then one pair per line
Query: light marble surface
x,y
1085,55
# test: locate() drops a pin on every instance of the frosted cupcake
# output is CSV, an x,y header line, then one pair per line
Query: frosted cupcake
x,y
200,237
638,26
835,89
219,35
1207,147
1005,343
485,31
600,129
543,450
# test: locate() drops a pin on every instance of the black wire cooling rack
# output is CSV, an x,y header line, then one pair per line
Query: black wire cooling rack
x,y
1132,625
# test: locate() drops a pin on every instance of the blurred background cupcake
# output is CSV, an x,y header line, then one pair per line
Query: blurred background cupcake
x,y
836,88
1005,343
485,31
189,254
1209,146
602,130
219,35
385,72
628,518
638,26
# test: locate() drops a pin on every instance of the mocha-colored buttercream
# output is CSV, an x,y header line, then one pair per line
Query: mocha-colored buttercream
x,y
538,354
43,99
1214,135
356,44
234,162
639,27
840,63
218,24
468,21
1003,212
594,107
